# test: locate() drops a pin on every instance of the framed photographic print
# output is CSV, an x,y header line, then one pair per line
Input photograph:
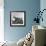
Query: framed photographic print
x,y
17,18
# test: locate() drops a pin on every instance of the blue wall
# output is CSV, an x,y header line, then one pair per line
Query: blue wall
x,y
43,6
30,6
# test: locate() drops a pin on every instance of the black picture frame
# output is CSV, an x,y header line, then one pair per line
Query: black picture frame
x,y
17,18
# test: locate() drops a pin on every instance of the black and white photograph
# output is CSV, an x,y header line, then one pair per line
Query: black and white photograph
x,y
17,18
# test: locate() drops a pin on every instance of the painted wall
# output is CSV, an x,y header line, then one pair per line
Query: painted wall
x,y
30,6
43,6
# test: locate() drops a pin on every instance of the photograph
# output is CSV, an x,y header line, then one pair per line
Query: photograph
x,y
17,18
